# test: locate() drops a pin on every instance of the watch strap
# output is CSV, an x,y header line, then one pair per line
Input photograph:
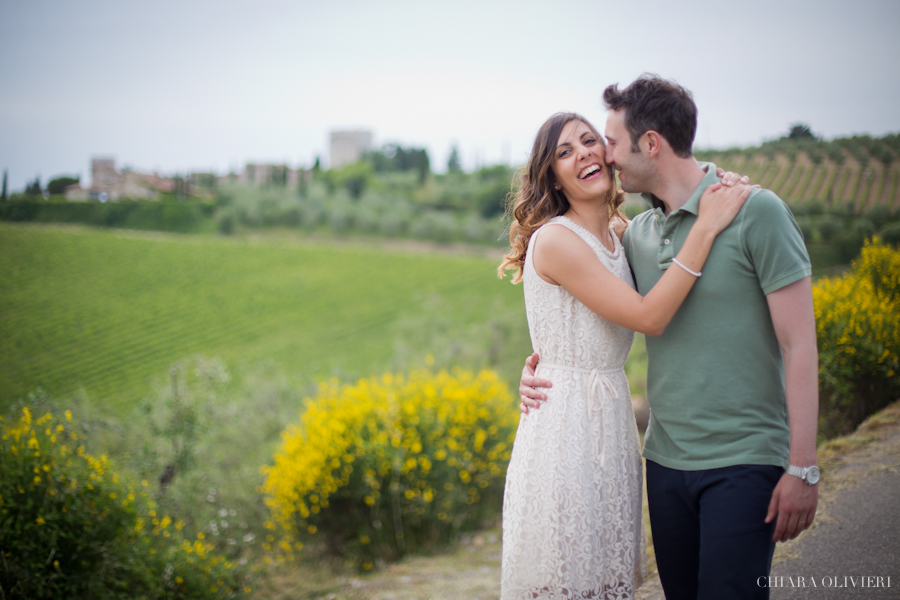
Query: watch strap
x,y
797,472
801,472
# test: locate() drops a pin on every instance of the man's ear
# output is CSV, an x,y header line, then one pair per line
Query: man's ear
x,y
651,141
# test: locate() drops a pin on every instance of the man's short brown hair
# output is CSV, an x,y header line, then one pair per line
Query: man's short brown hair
x,y
652,103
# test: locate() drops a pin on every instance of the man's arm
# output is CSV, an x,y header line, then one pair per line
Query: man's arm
x,y
793,501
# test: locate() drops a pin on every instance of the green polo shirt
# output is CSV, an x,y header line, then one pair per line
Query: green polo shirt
x,y
715,381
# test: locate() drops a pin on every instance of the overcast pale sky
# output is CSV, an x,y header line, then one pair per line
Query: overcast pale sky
x,y
209,85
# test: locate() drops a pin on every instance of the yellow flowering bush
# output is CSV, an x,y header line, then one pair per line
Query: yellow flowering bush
x,y
858,330
70,527
392,464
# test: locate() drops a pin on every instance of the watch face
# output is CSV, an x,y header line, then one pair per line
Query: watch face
x,y
812,475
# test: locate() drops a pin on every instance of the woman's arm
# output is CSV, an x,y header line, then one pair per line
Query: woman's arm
x,y
562,258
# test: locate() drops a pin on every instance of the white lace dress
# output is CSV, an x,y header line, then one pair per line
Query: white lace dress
x,y
572,521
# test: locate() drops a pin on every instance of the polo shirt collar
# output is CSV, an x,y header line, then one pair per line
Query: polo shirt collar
x,y
693,204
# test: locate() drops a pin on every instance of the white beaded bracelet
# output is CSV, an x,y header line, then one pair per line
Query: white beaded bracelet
x,y
694,273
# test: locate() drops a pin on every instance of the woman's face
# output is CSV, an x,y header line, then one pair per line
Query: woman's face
x,y
579,166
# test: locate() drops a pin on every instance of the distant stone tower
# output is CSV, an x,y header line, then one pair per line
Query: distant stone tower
x,y
103,174
348,147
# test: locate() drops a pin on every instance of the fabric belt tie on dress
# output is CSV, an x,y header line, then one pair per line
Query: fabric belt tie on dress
x,y
596,386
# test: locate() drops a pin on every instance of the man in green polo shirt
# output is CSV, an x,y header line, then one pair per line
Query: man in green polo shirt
x,y
732,382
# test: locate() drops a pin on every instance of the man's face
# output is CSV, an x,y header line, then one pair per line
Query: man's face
x,y
636,171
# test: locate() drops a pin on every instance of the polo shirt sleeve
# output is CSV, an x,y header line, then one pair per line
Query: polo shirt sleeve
x,y
773,241
626,242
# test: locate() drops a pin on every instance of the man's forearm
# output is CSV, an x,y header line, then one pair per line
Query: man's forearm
x,y
801,374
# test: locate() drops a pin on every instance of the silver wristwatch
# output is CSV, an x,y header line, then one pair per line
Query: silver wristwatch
x,y
810,475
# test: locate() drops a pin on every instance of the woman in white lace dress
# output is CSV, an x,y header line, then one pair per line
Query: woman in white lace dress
x,y
572,521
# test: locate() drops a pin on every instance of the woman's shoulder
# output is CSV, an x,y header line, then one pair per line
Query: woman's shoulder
x,y
558,229
547,229
561,240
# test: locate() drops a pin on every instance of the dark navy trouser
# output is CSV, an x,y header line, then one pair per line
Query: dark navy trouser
x,y
709,531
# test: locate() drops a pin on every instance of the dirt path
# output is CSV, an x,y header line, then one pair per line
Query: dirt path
x,y
854,552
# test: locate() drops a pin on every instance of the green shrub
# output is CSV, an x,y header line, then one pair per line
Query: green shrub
x,y
891,234
147,215
226,221
393,464
858,331
850,239
836,154
829,227
806,228
70,527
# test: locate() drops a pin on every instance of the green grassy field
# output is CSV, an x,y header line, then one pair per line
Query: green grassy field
x,y
106,312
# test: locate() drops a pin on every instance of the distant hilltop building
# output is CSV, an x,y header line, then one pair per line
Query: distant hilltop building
x,y
108,184
272,175
348,147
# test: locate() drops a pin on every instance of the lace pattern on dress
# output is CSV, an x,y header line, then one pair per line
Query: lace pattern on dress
x,y
572,520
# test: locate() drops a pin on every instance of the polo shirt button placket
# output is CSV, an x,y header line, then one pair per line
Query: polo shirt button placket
x,y
666,248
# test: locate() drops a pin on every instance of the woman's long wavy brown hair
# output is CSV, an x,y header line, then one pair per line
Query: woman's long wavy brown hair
x,y
537,200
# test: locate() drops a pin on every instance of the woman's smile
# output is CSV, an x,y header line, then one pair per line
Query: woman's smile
x,y
590,172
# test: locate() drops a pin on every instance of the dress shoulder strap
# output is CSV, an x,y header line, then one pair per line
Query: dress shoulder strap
x,y
580,231
560,220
